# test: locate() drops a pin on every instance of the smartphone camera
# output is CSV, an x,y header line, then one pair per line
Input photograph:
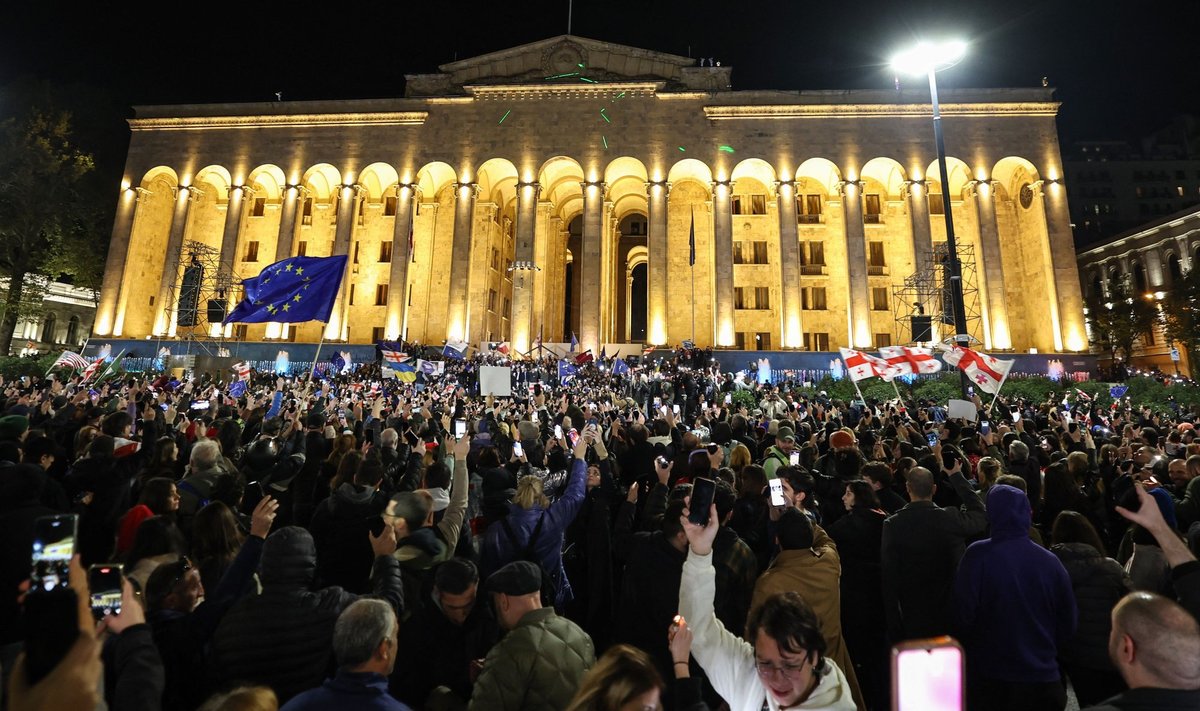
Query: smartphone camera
x,y
53,546
931,438
104,585
518,449
460,429
777,496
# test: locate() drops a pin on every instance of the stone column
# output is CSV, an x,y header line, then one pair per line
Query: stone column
x,y
789,266
397,301
991,266
918,214
523,272
1062,279
460,261
239,195
1185,254
858,302
164,318
293,197
590,267
544,256
114,265
348,200
656,268
723,261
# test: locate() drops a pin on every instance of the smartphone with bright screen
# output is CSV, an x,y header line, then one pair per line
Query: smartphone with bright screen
x,y
558,432
794,458
1016,417
777,497
927,675
985,427
518,450
53,546
104,588
703,491
932,438
572,437
675,409
728,398
460,429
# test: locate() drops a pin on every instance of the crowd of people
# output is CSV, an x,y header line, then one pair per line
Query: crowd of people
x,y
358,542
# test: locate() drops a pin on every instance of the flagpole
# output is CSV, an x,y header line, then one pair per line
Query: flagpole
x,y
997,395
856,388
313,373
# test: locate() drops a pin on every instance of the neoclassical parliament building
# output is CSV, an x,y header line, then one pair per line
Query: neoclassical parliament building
x,y
620,194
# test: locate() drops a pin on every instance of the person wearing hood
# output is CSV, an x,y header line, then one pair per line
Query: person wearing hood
x,y
1014,608
340,524
280,637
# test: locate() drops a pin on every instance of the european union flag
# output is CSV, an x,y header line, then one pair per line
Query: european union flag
x,y
566,372
1117,392
291,291
620,366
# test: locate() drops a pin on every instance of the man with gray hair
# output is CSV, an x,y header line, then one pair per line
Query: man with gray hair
x,y
204,466
365,640
1155,644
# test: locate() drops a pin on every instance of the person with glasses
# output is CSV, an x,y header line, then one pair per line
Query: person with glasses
x,y
784,664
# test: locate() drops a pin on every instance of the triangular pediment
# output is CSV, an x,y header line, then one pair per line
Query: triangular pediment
x,y
566,58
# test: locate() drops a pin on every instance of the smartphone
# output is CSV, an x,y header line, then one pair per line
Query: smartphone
x,y
411,438
165,406
558,432
794,458
970,392
928,675
199,405
573,437
657,402
932,438
777,497
675,409
728,398
533,416
460,429
104,589
1016,417
53,546
703,491
518,450
985,427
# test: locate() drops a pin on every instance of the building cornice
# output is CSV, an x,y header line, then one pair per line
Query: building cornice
x,y
185,123
563,91
803,111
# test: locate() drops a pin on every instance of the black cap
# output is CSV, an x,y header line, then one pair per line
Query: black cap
x,y
517,578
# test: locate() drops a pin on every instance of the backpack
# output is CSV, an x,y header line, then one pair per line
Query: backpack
x,y
528,553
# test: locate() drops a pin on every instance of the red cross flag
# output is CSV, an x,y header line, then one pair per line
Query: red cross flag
x,y
861,365
910,360
243,370
983,370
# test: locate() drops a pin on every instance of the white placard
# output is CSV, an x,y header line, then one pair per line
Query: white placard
x,y
964,409
495,380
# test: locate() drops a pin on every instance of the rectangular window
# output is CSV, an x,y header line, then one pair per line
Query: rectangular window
x,y
306,215
763,341
302,249
762,297
381,293
936,205
760,253
883,340
389,207
739,341
876,264
746,252
812,298
351,294
259,208
871,209
492,300
505,306
377,334
251,251
496,259
758,204
812,257
816,341
879,298
385,251
739,204
739,254
356,252
808,209
739,297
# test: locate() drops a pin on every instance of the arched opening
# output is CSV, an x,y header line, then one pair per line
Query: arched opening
x,y
49,325
73,331
1139,279
1174,268
637,304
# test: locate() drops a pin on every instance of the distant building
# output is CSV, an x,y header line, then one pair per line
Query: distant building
x,y
571,186
64,321
1113,186
1150,259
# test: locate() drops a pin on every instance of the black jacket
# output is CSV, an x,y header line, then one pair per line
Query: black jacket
x,y
133,671
282,637
649,597
859,538
16,546
1151,700
340,528
436,652
921,547
1098,582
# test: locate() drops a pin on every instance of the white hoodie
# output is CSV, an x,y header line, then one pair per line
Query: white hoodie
x,y
728,660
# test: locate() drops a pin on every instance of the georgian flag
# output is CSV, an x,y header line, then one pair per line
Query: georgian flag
x,y
910,360
396,357
860,366
983,370
243,370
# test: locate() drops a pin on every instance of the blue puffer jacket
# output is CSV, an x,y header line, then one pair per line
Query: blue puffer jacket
x,y
498,549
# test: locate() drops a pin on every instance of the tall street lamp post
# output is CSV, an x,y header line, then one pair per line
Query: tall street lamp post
x,y
928,58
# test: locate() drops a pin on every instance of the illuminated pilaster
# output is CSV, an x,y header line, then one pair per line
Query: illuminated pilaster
x,y
164,320
347,209
293,197
1062,278
402,230
723,260
991,266
460,261
918,214
789,266
114,265
656,269
522,277
590,266
858,314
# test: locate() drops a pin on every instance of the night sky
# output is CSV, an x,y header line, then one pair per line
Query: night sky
x,y
1121,68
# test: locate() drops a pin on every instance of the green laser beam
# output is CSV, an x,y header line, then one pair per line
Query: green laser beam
x,y
727,149
560,76
506,113
604,116
589,81
580,65
682,149
621,95
605,140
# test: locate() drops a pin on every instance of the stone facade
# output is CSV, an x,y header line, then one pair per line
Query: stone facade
x,y
64,320
550,187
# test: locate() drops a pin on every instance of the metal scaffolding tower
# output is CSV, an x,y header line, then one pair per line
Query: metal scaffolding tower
x,y
923,307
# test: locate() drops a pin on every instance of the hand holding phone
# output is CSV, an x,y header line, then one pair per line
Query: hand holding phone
x,y
105,584
518,449
703,492
777,496
927,675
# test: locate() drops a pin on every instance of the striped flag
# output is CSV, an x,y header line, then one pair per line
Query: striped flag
x,y
89,371
242,369
71,360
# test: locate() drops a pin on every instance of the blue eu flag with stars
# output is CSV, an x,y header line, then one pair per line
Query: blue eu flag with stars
x,y
291,291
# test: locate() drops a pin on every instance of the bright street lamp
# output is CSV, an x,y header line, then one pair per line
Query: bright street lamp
x,y
928,58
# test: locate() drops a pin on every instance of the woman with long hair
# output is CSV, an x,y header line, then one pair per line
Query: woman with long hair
x,y
157,540
624,678
216,539
343,444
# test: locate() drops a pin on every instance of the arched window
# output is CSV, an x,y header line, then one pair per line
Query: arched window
x,y
73,331
48,327
1139,279
1174,268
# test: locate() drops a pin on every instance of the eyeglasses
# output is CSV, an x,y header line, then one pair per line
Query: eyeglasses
x,y
787,671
